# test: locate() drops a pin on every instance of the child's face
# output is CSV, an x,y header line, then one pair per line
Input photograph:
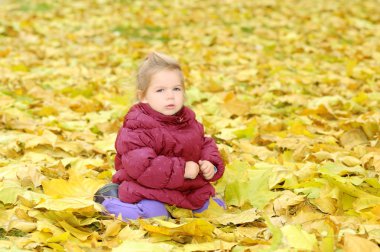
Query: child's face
x,y
165,93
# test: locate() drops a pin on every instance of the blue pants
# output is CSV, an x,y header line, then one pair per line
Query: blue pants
x,y
145,208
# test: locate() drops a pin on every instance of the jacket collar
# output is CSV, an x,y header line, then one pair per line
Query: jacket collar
x,y
180,118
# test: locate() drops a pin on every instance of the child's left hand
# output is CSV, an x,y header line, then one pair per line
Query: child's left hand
x,y
207,169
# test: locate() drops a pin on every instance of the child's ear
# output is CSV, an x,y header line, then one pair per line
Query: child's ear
x,y
140,95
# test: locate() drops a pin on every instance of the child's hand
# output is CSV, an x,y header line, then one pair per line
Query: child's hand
x,y
207,169
191,170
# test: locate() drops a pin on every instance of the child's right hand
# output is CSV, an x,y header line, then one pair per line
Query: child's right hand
x,y
191,170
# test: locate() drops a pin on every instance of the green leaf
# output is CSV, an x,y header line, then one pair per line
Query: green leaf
x,y
299,239
8,195
254,191
276,236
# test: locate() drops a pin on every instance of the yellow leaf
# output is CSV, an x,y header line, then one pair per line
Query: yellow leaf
x,y
297,127
328,240
75,187
127,233
30,175
9,246
210,246
35,157
81,235
353,137
235,105
347,201
239,191
4,52
325,204
78,204
25,226
260,151
293,108
106,145
47,226
47,111
47,138
196,227
240,218
59,238
31,199
246,75
299,239
143,246
82,105
373,232
279,174
178,212
350,161
281,204
225,236
112,228
8,195
69,217
353,243
105,175
249,131
20,68
5,215
364,200
40,237
249,232
55,246
74,148
361,98
82,164
213,211
350,66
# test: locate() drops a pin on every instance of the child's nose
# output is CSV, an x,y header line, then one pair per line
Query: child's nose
x,y
170,95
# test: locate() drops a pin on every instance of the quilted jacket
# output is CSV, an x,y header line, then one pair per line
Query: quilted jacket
x,y
151,152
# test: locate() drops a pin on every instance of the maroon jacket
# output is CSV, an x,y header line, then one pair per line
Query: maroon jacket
x,y
152,150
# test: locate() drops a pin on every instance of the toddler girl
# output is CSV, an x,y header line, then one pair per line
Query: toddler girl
x,y
162,153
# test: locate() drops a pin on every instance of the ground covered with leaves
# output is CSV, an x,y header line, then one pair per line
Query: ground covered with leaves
x,y
290,90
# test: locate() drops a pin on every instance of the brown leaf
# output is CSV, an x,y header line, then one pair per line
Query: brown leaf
x,y
353,138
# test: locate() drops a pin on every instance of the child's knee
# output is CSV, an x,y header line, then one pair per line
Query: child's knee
x,y
203,208
152,208
117,207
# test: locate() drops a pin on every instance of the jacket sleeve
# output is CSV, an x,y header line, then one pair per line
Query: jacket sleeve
x,y
211,153
140,162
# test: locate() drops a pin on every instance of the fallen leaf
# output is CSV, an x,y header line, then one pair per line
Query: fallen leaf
x,y
143,246
353,138
355,243
75,187
196,227
299,239
247,216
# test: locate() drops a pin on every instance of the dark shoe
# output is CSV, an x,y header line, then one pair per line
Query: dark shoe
x,y
107,191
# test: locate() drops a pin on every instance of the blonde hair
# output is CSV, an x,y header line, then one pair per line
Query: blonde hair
x,y
152,64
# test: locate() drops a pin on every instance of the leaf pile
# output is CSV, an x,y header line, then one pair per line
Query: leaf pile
x,y
289,89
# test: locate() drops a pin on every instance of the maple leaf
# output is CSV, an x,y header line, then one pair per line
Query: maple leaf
x,y
289,91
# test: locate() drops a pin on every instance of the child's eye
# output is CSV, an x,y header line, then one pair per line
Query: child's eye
x,y
177,89
159,90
